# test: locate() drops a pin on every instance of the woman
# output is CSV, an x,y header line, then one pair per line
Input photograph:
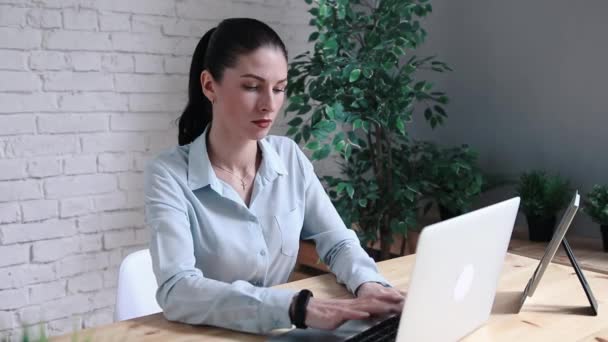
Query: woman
x,y
227,208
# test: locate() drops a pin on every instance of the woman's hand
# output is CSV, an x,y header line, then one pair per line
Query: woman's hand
x,y
389,298
373,300
329,314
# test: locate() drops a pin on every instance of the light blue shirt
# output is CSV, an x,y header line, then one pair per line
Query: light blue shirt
x,y
214,258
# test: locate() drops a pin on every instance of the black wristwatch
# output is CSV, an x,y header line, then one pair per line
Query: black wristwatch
x,y
299,309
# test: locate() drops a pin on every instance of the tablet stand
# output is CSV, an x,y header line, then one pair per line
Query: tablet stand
x,y
579,273
581,277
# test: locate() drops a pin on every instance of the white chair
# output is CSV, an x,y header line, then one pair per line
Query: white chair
x,y
136,292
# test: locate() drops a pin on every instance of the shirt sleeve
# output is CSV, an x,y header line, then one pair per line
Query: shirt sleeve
x,y
338,246
184,293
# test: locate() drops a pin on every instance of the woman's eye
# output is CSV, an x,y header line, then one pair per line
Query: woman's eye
x,y
248,87
279,90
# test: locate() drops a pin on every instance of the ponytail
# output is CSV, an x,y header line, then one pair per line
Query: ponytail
x,y
198,112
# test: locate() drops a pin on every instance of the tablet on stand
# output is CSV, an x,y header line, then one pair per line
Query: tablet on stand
x,y
557,240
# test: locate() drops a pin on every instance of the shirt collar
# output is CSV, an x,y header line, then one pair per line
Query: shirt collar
x,y
200,171
271,165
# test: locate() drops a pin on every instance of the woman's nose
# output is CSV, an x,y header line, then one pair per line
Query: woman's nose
x,y
267,102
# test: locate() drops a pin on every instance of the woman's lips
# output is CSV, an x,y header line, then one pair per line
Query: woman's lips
x,y
262,123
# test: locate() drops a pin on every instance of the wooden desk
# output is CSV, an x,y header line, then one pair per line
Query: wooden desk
x,y
555,312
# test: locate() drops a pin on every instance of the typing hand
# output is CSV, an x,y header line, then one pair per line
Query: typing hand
x,y
331,313
388,298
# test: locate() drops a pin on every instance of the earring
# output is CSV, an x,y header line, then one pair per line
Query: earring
x,y
213,100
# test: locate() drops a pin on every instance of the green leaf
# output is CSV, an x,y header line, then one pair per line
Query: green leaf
x,y
419,85
363,202
313,36
350,190
428,114
400,126
304,109
308,1
323,11
348,151
341,186
313,145
291,131
322,153
295,122
354,75
341,13
340,136
306,132
340,146
331,112
331,44
387,65
297,99
326,125
440,110
339,110
293,107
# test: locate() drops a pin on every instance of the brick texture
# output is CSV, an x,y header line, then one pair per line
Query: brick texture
x,y
90,92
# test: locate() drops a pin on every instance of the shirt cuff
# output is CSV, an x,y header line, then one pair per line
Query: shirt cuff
x,y
274,312
359,279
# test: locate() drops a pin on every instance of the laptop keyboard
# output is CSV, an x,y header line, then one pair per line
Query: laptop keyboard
x,y
383,331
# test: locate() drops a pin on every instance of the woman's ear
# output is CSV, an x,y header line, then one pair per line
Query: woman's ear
x,y
208,85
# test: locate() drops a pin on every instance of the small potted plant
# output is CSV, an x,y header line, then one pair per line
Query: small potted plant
x,y
596,206
449,179
453,179
542,196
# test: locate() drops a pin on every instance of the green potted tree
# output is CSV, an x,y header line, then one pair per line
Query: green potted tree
x,y
596,206
353,96
542,196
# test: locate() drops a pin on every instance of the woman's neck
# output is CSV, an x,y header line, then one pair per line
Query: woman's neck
x,y
231,152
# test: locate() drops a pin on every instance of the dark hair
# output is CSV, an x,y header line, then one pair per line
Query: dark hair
x,y
219,49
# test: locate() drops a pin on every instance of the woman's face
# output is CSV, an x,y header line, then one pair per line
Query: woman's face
x,y
251,94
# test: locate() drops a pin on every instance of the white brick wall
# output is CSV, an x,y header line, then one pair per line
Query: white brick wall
x,y
89,91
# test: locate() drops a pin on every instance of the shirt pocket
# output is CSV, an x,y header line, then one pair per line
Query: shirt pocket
x,y
289,226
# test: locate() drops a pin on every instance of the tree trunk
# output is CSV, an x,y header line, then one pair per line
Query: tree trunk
x,y
385,240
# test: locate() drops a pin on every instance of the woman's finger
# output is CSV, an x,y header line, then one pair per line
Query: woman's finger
x,y
348,314
389,295
378,307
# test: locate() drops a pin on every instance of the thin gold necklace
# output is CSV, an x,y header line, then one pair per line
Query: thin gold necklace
x,y
234,174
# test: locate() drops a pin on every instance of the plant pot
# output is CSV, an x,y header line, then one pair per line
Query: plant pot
x,y
604,229
446,214
541,229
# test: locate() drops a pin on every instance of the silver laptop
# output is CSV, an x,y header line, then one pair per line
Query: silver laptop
x,y
453,283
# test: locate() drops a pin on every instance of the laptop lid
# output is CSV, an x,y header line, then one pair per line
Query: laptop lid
x,y
456,272
453,284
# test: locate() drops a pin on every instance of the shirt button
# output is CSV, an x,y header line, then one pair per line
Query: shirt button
x,y
262,252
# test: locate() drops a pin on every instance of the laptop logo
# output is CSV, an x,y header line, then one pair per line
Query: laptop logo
x,y
464,282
